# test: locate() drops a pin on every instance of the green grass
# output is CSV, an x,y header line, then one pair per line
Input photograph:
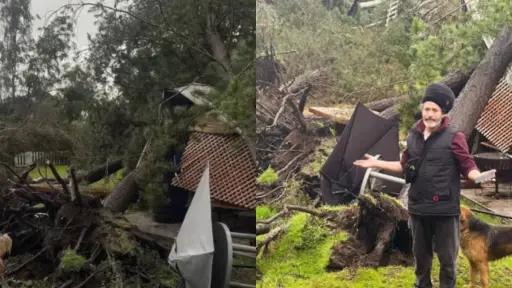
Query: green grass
x,y
108,183
298,259
47,172
301,253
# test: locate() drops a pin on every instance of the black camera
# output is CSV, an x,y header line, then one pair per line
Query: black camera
x,y
410,171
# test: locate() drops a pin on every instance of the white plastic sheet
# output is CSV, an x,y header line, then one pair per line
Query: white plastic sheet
x,y
192,253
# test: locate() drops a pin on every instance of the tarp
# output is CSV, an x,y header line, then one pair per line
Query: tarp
x,y
192,253
365,133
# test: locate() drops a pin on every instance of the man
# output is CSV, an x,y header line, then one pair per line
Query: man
x,y
434,194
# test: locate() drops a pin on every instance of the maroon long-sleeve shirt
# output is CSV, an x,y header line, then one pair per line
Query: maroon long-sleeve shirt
x,y
460,149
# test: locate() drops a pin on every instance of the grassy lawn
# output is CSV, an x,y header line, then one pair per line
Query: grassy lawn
x,y
299,257
108,183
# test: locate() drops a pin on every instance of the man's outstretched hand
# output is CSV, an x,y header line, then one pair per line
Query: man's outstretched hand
x,y
474,175
369,162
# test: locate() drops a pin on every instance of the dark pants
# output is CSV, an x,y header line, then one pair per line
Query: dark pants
x,y
443,232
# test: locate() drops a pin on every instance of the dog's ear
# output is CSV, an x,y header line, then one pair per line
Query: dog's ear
x,y
465,215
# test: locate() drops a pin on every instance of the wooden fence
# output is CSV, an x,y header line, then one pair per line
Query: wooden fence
x,y
28,158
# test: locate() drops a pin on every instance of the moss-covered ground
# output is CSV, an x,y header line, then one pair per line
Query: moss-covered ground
x,y
319,156
299,258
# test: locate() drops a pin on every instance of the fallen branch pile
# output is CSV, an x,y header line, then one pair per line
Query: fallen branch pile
x,y
69,239
285,137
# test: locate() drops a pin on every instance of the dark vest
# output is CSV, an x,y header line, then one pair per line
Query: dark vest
x,y
436,190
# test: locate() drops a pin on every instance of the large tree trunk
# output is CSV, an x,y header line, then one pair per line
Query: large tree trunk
x,y
391,113
456,80
125,192
99,172
383,104
472,100
217,46
122,196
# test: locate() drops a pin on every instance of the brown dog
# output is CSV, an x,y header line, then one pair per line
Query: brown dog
x,y
482,243
5,249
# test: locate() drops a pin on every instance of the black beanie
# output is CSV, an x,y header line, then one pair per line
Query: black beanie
x,y
440,94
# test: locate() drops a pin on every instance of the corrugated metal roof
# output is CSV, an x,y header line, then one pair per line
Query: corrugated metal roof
x,y
232,170
495,123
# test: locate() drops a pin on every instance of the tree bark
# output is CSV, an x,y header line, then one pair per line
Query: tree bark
x,y
99,172
391,113
120,198
474,97
217,46
383,104
456,80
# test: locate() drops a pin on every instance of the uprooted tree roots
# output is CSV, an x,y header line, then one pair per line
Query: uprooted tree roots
x,y
376,226
381,235
60,242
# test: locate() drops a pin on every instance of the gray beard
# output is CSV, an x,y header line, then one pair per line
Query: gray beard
x,y
437,123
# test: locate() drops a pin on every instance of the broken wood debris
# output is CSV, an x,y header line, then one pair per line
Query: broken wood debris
x,y
73,237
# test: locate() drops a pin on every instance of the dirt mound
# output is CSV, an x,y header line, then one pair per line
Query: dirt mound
x,y
350,254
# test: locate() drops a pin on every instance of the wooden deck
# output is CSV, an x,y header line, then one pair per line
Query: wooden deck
x,y
145,223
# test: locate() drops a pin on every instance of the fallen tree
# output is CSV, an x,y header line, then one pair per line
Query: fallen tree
x,y
99,172
476,93
70,240
456,80
383,104
376,227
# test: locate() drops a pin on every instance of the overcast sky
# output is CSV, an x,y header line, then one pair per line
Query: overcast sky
x,y
84,25
85,22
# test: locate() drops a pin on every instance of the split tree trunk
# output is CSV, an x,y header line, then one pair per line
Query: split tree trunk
x,y
474,97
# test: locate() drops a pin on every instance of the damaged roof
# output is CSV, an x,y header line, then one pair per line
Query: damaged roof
x,y
195,93
232,170
218,140
495,123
